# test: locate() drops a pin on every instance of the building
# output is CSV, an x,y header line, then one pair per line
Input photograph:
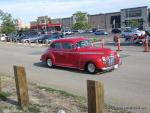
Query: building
x,y
18,23
43,20
44,24
129,17
67,22
137,17
113,20
97,21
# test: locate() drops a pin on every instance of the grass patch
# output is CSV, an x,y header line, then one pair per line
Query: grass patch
x,y
114,109
34,109
4,95
62,93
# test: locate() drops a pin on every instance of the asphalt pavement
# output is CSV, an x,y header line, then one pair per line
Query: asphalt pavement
x,y
127,86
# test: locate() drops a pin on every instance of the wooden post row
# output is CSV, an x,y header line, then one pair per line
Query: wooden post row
x,y
95,93
21,86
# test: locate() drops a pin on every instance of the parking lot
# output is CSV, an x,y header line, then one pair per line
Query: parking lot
x,y
127,86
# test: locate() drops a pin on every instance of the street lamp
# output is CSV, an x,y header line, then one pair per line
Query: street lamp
x,y
45,24
44,18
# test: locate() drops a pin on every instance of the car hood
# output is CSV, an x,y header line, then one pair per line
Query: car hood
x,y
94,50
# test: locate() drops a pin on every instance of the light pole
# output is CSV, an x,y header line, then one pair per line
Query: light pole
x,y
45,24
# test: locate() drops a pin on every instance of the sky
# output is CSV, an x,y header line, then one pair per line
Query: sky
x,y
29,10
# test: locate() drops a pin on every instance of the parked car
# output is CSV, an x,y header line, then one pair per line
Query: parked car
x,y
11,37
30,38
3,37
79,53
42,39
50,38
81,31
101,32
67,32
131,32
116,31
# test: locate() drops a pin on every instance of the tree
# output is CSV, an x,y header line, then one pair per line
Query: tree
x,y
81,21
7,25
134,23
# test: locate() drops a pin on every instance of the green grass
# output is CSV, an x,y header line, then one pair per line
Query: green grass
x,y
114,109
62,93
4,95
34,109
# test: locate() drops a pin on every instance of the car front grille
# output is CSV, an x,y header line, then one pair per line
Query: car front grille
x,y
111,60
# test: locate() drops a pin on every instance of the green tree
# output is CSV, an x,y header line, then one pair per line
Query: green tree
x,y
81,21
7,25
134,23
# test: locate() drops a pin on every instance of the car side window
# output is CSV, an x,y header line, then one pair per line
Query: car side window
x,y
67,46
56,45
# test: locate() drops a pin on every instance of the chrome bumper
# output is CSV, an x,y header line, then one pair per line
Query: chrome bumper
x,y
112,67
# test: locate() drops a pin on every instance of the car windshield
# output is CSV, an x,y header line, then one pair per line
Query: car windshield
x,y
83,43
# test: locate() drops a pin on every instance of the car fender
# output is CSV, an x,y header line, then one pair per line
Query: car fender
x,y
50,55
84,60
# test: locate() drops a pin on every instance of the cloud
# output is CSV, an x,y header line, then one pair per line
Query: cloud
x,y
29,10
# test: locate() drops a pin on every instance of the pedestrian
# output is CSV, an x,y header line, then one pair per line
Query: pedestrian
x,y
116,36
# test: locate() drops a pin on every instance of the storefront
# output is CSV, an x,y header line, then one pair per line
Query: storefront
x,y
135,17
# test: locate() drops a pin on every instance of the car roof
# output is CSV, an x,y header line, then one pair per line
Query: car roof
x,y
71,40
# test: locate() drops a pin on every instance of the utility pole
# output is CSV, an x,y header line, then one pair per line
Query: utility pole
x,y
45,24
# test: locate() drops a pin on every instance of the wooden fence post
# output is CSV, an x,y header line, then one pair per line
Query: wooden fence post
x,y
95,93
21,86
0,84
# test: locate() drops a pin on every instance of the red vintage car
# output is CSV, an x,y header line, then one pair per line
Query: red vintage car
x,y
81,54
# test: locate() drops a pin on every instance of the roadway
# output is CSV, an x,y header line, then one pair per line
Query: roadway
x,y
127,86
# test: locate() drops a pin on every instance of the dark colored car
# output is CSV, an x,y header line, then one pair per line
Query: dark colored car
x,y
30,38
49,38
42,39
116,31
101,32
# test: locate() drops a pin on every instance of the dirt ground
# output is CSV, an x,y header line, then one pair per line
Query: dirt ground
x,y
43,100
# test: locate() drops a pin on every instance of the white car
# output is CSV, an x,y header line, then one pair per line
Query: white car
x,y
127,33
2,37
67,32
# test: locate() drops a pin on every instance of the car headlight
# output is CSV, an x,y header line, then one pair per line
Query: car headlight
x,y
103,59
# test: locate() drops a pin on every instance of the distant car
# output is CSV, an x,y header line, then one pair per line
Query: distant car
x,y
67,32
79,53
11,37
49,38
30,38
3,37
101,32
81,31
42,39
131,32
116,31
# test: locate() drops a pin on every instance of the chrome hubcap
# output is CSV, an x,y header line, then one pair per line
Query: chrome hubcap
x,y
49,62
91,68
